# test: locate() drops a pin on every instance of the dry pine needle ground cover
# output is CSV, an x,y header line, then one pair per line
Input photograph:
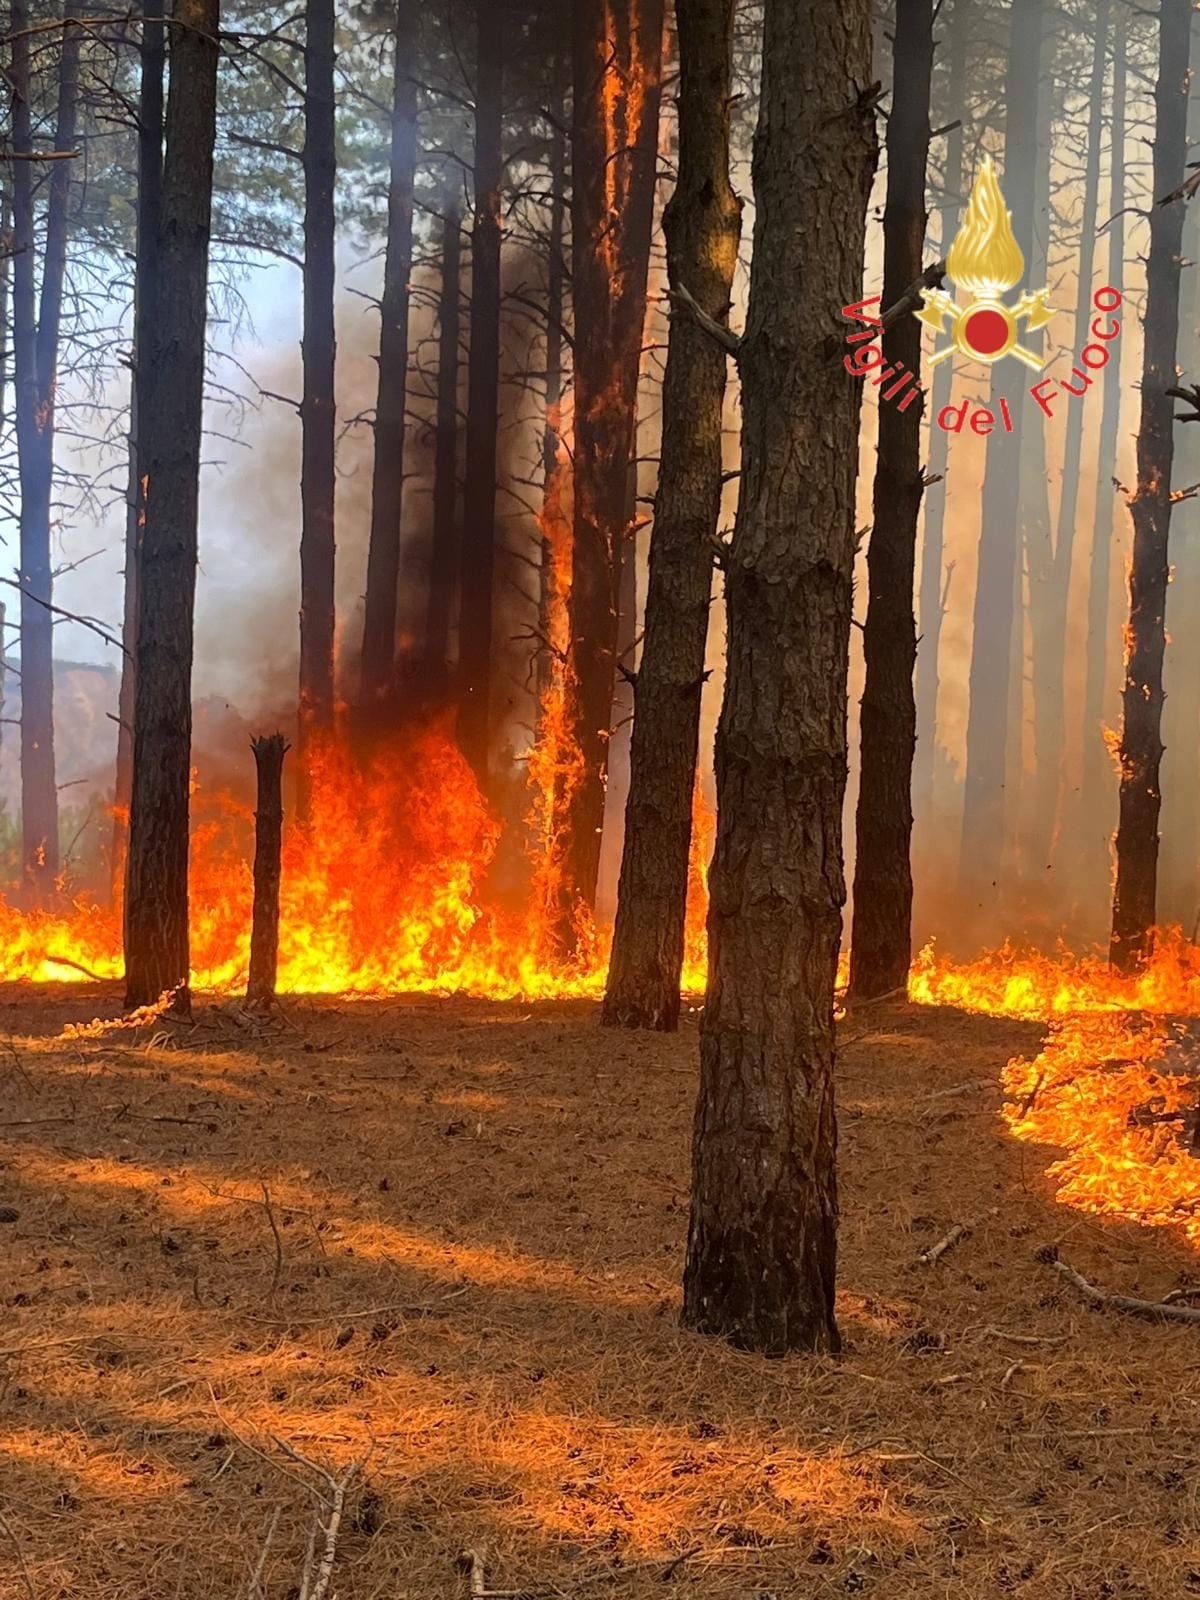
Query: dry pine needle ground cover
x,y
443,1241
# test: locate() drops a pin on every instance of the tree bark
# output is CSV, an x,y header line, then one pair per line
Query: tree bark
x,y
881,937
933,543
317,406
1097,766
483,398
149,206
387,488
762,1241
269,751
170,429
443,568
702,225
617,72
983,829
1134,896
36,323
553,468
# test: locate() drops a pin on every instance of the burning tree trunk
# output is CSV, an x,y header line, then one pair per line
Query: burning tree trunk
x,y
1141,743
762,1241
1097,768
269,751
443,567
383,557
483,390
549,600
881,940
992,628
317,411
702,224
149,203
36,323
171,422
932,598
617,68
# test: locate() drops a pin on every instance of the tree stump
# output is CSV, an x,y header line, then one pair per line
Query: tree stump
x,y
269,751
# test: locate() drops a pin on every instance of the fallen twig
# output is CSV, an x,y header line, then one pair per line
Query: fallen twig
x,y
1153,1310
958,1232
255,1589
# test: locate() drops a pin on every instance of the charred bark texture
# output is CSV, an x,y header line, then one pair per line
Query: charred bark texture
x,y
881,937
1134,896
149,207
443,566
317,408
387,488
984,796
762,1241
156,889
553,469
483,398
617,72
36,323
702,224
269,751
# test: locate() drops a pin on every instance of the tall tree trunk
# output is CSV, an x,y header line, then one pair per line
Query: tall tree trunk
x,y
149,205
1051,578
702,224
1134,896
1097,766
387,488
269,751
36,324
443,566
993,626
881,937
762,1241
171,424
933,544
483,392
552,465
617,71
317,406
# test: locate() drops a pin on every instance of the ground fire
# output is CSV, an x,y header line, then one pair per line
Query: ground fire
x,y
599,843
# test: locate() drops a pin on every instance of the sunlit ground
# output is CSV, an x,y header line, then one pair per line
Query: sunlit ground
x,y
443,1239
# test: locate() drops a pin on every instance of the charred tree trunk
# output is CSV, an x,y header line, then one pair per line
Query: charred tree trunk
x,y
317,407
171,423
483,398
617,71
36,323
702,224
149,205
443,567
762,1241
1134,897
931,601
988,722
269,751
387,488
881,937
1097,767
552,466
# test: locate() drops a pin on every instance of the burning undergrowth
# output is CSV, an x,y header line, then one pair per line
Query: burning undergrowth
x,y
390,889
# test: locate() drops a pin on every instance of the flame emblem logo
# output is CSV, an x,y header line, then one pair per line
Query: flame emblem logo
x,y
985,260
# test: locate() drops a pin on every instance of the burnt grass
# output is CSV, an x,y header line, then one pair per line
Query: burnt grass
x,y
441,1242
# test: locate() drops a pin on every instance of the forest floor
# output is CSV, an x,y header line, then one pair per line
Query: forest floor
x,y
443,1241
